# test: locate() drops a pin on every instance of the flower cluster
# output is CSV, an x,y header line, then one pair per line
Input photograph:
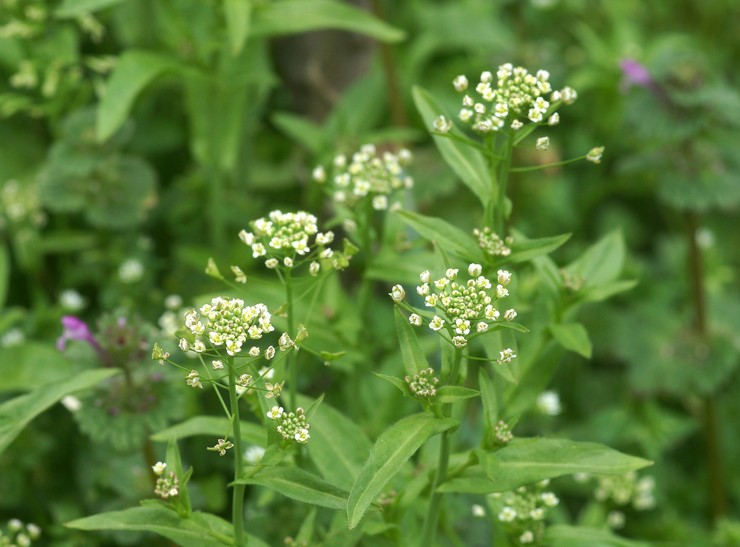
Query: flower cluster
x,y
288,239
502,432
491,243
291,425
17,533
626,490
516,97
423,384
464,308
221,447
20,205
522,512
367,174
227,323
167,486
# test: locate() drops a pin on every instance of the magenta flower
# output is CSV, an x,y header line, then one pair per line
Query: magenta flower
x,y
75,329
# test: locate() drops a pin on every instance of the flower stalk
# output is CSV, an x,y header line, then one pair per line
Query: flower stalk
x,y
238,494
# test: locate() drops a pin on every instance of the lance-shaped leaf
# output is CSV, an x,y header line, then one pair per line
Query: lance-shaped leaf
x,y
527,249
572,336
563,535
294,16
602,262
448,236
525,461
238,14
300,485
413,356
214,426
16,413
452,394
467,162
391,451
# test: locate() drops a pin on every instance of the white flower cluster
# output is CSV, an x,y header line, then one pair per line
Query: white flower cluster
x,y
367,174
20,204
291,425
424,384
491,242
515,96
290,238
227,323
17,533
626,489
522,512
465,308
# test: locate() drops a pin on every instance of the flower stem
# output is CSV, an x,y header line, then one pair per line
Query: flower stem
x,y
291,364
430,522
238,499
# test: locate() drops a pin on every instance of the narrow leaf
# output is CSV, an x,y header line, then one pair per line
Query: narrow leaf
x,y
294,16
525,461
76,8
133,72
238,14
413,356
16,413
4,275
301,130
563,535
602,262
400,384
606,290
467,162
573,337
300,485
452,394
527,249
391,451
212,426
446,235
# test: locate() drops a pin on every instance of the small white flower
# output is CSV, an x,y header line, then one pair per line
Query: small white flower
x,y
159,468
71,403
486,77
269,352
423,289
71,300
246,237
271,263
526,537
549,499
538,513
510,314
302,435
217,365
501,291
535,115
594,155
543,143
258,250
275,412
288,262
193,379
442,124
504,277
199,346
451,273
459,341
415,319
475,270
478,511
314,268
436,323
380,203
482,326
184,345
516,125
425,276
254,351
548,403
319,174
253,454
615,519
131,271
460,83
554,119
569,95
397,293
506,356
507,514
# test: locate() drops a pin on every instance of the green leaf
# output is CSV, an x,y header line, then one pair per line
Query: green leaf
x,y
300,485
452,394
300,129
471,481
295,16
607,290
238,14
4,275
134,71
16,413
391,451
527,249
488,398
400,384
573,337
525,461
76,8
563,535
212,426
413,356
449,237
467,162
602,262
199,530
338,447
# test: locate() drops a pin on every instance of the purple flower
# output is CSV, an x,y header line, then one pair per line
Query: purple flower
x,y
634,73
75,329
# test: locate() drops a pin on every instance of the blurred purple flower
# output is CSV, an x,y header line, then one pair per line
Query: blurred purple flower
x,y
75,329
634,73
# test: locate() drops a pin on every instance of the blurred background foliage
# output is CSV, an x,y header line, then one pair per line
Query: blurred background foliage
x,y
138,137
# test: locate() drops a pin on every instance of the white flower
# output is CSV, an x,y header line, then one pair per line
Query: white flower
x,y
478,511
554,119
436,323
442,124
193,379
269,352
271,263
159,468
380,203
543,143
507,514
460,83
482,326
516,125
184,345
451,273
253,454
199,346
314,268
288,262
71,403
569,95
526,537
501,291
302,435
615,519
11,338
71,300
319,174
275,412
397,293
425,276
594,155
475,270
549,499
548,403
506,356
423,289
459,341
510,314
258,250
131,271
415,319
535,115
504,277
486,77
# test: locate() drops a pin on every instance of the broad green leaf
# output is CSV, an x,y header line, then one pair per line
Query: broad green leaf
x,y
451,238
391,451
300,485
471,481
238,14
467,162
212,426
602,262
563,535
572,336
199,530
452,394
301,130
413,356
338,447
525,461
16,413
4,275
607,290
21,366
295,16
134,71
77,8
523,250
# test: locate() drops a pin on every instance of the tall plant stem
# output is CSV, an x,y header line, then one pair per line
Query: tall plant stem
x,y
499,172
717,492
292,365
237,514
443,461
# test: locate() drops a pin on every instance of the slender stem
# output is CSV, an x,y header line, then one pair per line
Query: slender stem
x,y
238,499
717,491
430,522
291,365
502,179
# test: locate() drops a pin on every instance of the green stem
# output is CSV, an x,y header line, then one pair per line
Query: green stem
x,y
291,364
546,165
238,499
435,503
